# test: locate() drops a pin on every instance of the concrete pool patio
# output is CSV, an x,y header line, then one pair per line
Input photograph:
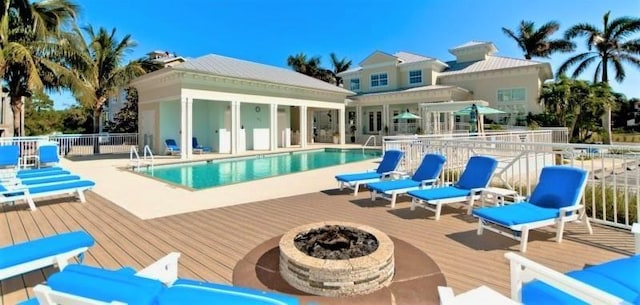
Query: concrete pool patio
x,y
149,198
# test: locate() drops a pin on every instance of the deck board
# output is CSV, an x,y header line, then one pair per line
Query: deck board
x,y
213,241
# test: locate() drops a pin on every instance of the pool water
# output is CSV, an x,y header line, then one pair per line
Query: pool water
x,y
202,175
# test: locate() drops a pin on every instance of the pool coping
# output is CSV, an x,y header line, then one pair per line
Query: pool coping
x,y
254,156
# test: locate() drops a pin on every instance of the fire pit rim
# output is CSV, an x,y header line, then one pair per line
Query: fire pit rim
x,y
384,244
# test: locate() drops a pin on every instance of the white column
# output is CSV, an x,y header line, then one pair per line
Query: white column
x,y
341,123
303,126
452,122
235,126
189,128
359,115
273,127
183,127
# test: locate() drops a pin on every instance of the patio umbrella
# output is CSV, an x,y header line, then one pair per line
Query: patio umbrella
x,y
484,110
406,115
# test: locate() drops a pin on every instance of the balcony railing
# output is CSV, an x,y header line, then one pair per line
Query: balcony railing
x,y
77,144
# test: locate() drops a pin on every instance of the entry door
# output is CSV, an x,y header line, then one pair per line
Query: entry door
x,y
375,121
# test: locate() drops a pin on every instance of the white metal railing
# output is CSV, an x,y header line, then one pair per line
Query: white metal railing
x,y
76,144
611,196
148,156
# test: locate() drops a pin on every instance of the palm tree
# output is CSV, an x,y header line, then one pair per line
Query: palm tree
x,y
537,42
30,55
612,44
339,65
310,67
100,73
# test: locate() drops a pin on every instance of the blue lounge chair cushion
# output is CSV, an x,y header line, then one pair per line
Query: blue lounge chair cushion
x,y
105,285
618,277
51,179
516,214
48,154
559,186
358,176
385,186
9,155
39,170
42,173
172,145
70,185
477,173
202,293
389,161
43,247
429,168
439,193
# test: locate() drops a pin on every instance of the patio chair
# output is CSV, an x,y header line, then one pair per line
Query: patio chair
x,y
172,147
41,172
43,252
389,162
555,200
156,284
613,282
15,192
48,155
475,178
425,176
196,145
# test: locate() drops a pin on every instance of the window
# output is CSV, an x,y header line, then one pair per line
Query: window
x,y
511,95
354,84
415,77
379,80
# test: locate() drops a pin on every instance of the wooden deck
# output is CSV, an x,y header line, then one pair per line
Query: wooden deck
x,y
212,241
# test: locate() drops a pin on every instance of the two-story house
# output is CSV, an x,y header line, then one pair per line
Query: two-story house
x,y
389,84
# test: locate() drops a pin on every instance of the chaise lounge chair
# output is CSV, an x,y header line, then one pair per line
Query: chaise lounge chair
x,y
425,176
196,145
48,155
475,178
555,200
13,193
389,162
156,284
172,147
53,250
9,156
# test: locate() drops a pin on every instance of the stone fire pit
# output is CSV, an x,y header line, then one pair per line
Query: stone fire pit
x,y
345,268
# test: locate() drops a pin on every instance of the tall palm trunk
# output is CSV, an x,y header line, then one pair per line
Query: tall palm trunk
x,y
16,108
606,118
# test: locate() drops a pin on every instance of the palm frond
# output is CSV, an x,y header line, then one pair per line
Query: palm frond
x,y
574,60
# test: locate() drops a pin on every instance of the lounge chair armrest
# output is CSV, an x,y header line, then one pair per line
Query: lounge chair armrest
x,y
393,175
424,183
164,269
635,229
565,211
15,188
524,270
476,191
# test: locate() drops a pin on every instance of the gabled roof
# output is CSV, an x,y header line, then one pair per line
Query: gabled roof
x,y
242,69
401,57
489,64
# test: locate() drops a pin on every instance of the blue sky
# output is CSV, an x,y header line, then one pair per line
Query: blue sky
x,y
269,31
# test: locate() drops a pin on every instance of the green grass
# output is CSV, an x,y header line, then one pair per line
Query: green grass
x,y
595,194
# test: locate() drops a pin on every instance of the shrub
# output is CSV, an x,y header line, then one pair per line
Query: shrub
x,y
595,194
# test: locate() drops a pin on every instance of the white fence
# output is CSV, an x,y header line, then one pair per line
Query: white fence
x,y
77,144
611,196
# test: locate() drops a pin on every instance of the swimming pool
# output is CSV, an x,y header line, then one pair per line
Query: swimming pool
x,y
202,175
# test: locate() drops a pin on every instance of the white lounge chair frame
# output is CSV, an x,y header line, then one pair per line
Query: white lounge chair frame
x,y
474,194
355,186
28,197
393,194
571,213
524,270
61,260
